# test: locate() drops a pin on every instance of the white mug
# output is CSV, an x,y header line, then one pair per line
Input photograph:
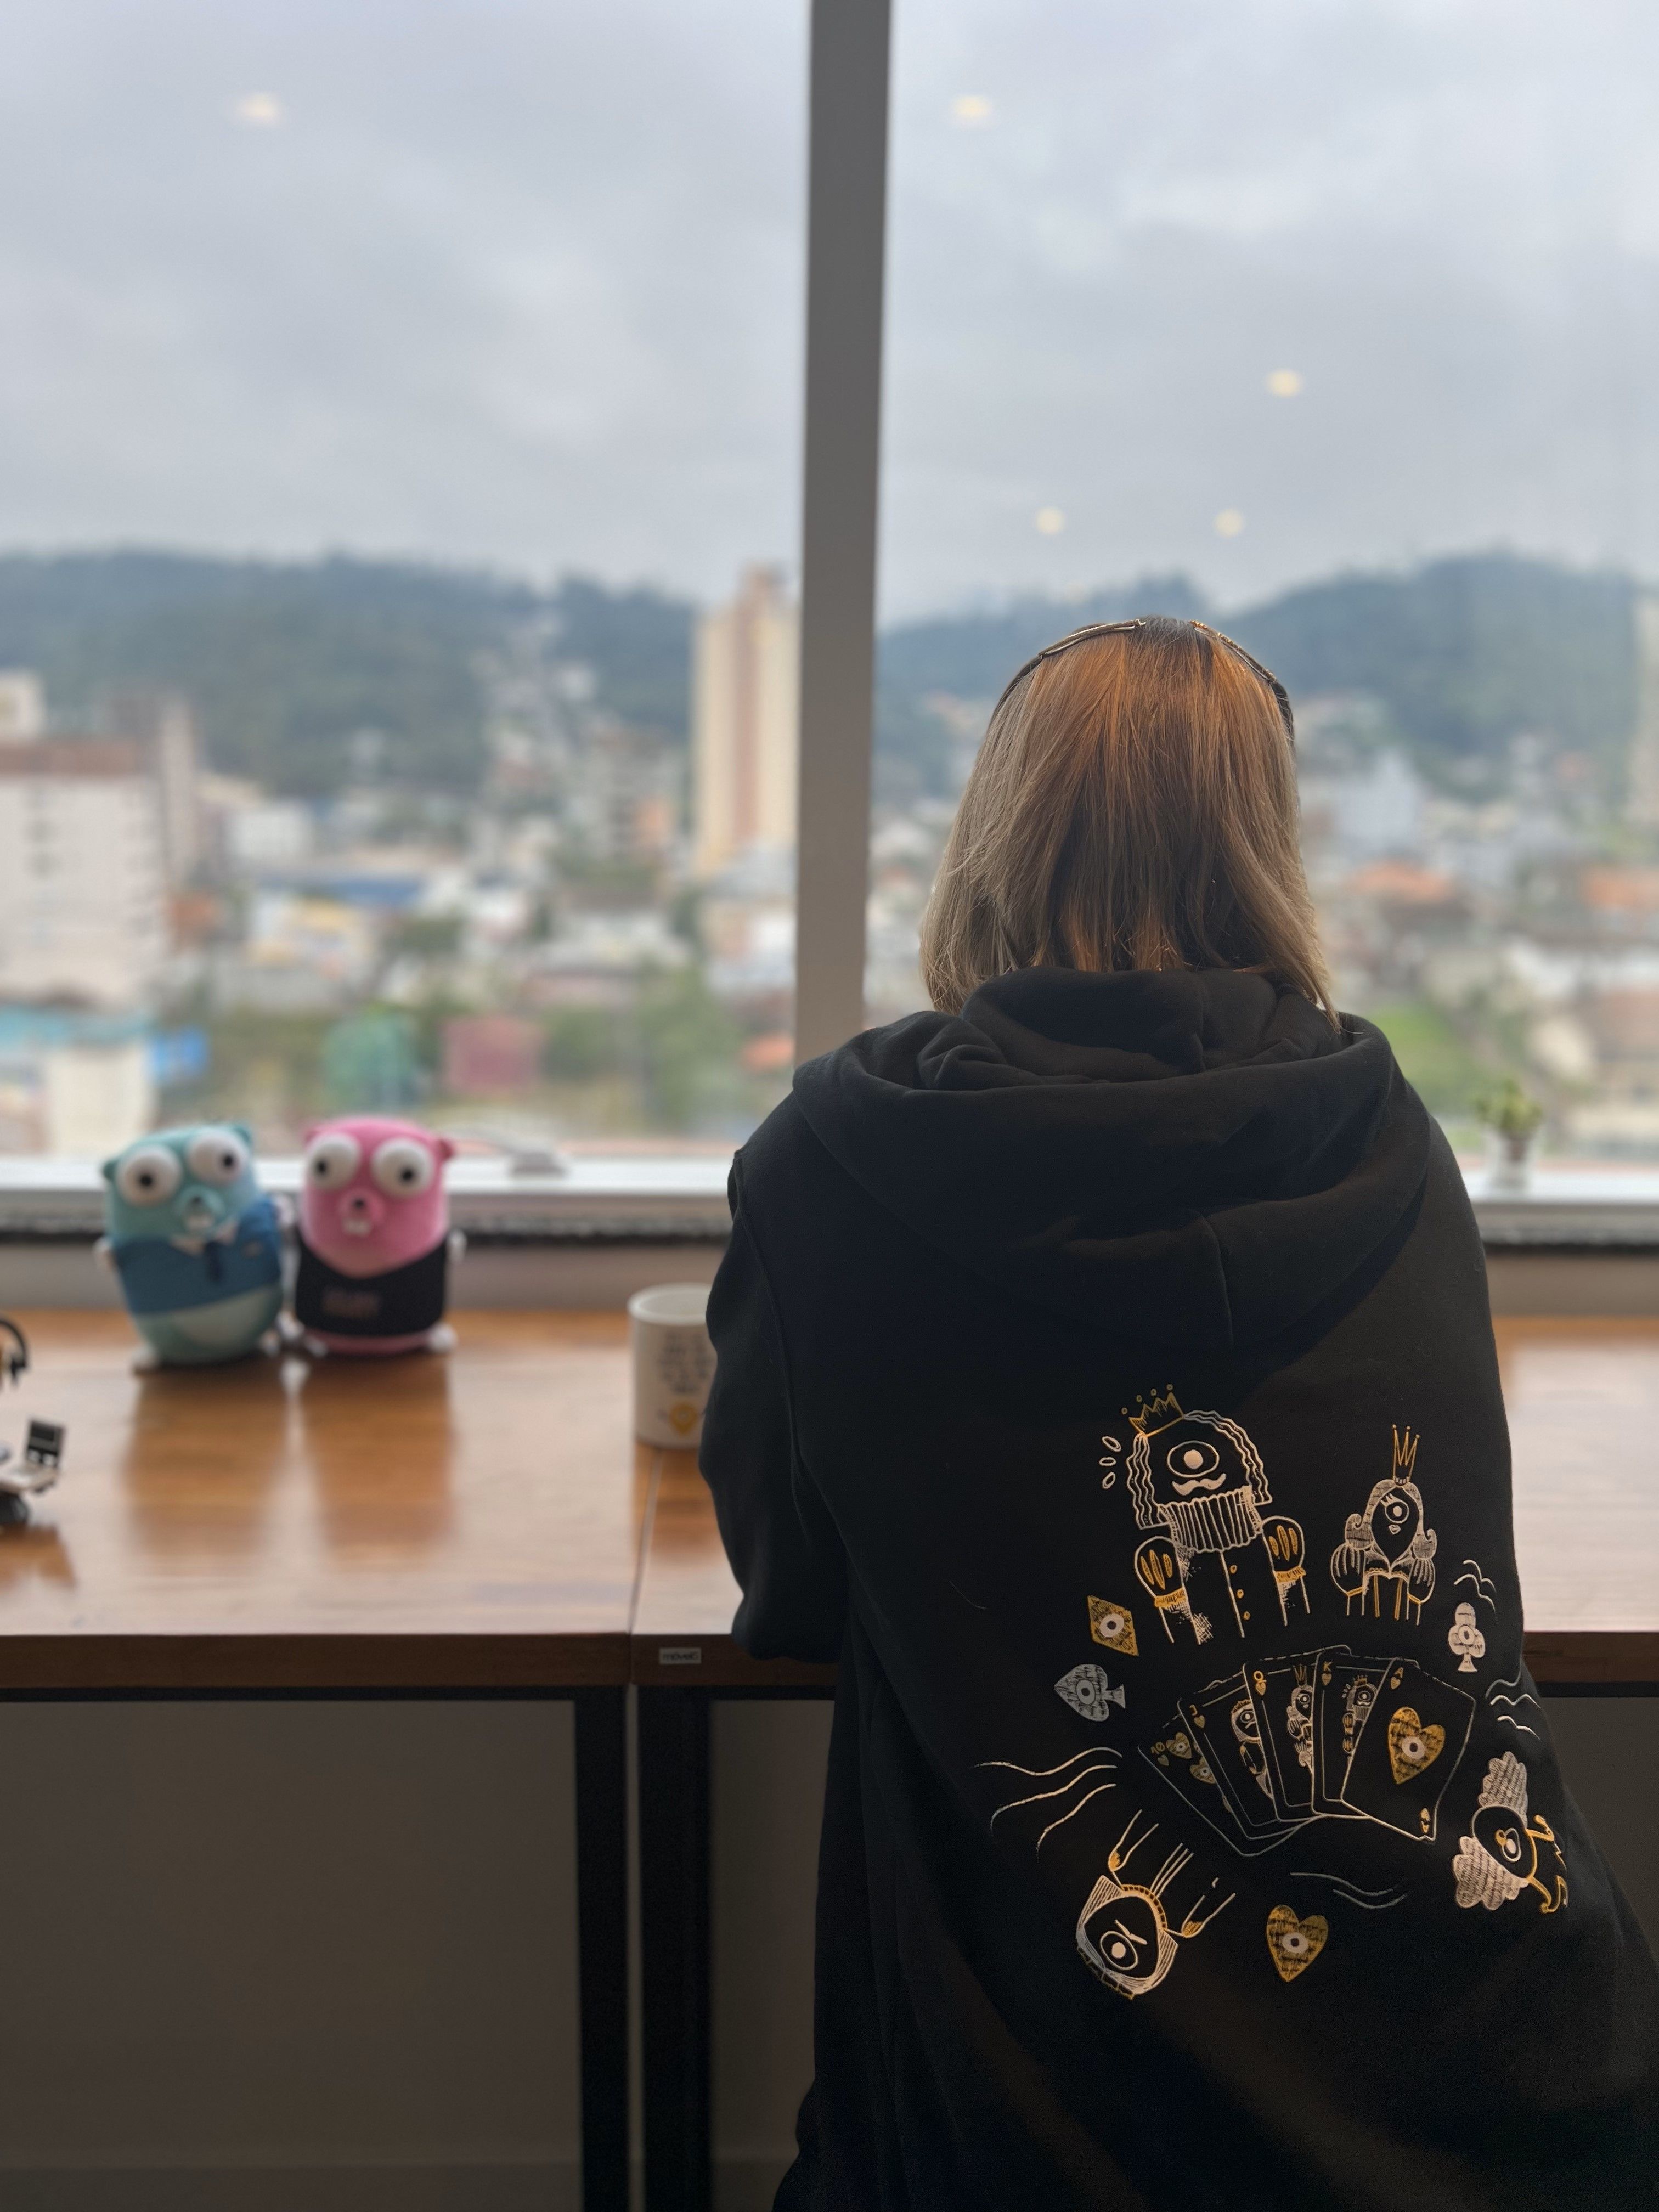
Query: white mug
x,y
673,1362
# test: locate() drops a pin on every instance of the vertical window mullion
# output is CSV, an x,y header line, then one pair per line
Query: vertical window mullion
x,y
845,240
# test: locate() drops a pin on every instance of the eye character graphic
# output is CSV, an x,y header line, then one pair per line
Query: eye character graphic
x,y
1121,1948
1195,1465
1125,1932
1298,1722
1247,1730
1130,1940
1507,1849
1395,1521
1192,1459
1385,1562
1497,1830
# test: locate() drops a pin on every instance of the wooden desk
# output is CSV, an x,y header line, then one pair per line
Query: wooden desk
x,y
1582,1397
467,1525
682,1618
1584,1405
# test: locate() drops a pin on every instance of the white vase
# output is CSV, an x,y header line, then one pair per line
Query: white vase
x,y
1510,1169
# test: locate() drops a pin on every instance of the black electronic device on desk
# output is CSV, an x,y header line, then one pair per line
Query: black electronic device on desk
x,y
43,1448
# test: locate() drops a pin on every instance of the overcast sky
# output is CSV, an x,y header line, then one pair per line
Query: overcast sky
x,y
520,281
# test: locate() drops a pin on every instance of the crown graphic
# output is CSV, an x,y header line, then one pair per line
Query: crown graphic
x,y
1156,1411
1405,1449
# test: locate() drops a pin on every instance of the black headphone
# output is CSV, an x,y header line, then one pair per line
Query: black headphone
x,y
1281,697
14,1362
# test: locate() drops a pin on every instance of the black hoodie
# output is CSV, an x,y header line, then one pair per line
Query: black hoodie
x,y
1105,1377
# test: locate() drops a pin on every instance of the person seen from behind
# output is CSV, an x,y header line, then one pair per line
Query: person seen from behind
x,y
1106,1380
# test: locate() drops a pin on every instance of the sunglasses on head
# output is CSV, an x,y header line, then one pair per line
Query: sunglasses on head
x,y
1139,622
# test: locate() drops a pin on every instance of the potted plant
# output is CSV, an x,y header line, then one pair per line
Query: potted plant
x,y
1514,1117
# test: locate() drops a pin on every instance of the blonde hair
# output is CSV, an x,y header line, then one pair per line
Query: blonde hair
x,y
1134,806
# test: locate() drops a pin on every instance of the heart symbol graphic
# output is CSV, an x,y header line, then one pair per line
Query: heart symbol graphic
x,y
1293,1944
682,1417
1412,1745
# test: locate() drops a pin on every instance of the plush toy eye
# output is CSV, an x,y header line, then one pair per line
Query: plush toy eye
x,y
403,1169
217,1156
332,1161
149,1175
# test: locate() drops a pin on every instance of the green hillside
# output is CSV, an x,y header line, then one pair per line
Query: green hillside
x,y
971,656
286,660
1465,654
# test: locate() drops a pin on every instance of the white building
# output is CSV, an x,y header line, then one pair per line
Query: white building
x,y
82,878
745,710
267,832
162,723
23,706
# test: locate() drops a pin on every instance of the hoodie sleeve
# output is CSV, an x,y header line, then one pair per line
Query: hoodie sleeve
x,y
777,1531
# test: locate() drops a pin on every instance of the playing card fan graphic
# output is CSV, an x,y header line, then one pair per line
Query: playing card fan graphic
x,y
1326,1735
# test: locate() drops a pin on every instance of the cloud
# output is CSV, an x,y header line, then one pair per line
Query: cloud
x,y
525,285
511,283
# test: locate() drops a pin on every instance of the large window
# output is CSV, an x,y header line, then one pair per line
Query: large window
x,y
399,419
1338,324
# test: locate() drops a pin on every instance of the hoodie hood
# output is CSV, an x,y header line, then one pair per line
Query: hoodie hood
x,y
1190,1157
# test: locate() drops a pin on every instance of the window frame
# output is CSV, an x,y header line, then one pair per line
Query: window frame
x,y
666,1196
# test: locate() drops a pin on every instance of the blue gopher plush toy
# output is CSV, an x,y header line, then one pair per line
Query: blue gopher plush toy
x,y
198,1248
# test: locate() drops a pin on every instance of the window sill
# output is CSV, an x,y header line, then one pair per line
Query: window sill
x,y
1590,1209
670,1198
619,1199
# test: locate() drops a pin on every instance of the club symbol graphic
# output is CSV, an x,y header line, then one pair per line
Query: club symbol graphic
x,y
1465,1640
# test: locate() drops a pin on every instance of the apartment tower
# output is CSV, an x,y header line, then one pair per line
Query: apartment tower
x,y
1643,797
82,880
744,713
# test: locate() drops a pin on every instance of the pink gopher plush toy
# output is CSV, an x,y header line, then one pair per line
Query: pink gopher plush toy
x,y
374,1237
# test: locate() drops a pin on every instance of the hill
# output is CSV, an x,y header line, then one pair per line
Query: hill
x,y
1465,654
283,661
970,657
